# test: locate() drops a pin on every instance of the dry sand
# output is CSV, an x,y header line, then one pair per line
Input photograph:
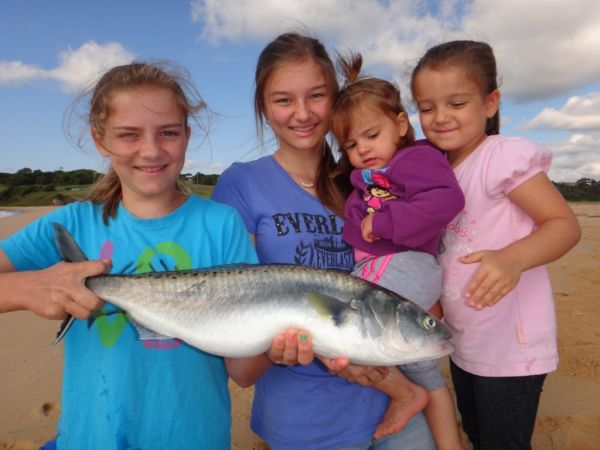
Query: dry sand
x,y
569,414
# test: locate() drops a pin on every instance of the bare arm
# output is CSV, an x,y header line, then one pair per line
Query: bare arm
x,y
51,293
557,232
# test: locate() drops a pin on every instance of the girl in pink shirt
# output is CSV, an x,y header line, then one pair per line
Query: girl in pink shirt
x,y
497,299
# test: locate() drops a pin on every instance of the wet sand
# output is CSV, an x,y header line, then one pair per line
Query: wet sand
x,y
568,419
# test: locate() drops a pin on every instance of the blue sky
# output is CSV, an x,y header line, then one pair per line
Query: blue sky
x,y
547,61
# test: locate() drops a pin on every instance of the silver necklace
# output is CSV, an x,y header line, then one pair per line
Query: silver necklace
x,y
306,185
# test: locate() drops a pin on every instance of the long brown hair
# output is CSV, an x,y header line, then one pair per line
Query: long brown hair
x,y
475,58
107,191
291,48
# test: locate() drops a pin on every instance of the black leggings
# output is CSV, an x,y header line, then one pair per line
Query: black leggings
x,y
497,412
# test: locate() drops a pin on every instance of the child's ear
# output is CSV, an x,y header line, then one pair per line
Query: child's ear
x,y
492,103
402,124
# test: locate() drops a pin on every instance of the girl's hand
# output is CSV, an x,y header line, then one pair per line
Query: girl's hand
x,y
366,228
62,291
498,274
363,375
291,348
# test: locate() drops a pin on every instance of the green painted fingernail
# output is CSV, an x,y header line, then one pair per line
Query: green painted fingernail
x,y
303,337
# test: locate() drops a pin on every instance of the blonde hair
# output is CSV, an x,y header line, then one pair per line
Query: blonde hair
x,y
107,191
296,48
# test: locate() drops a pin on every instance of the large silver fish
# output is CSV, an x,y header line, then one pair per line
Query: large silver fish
x,y
236,311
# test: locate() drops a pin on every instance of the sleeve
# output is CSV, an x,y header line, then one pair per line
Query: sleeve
x,y
237,247
511,162
431,199
233,189
354,210
32,247
424,373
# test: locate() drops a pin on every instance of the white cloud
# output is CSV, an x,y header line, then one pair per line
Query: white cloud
x,y
86,64
579,113
77,68
15,72
576,157
543,47
237,19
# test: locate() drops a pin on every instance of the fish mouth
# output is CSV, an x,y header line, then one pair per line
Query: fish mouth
x,y
445,348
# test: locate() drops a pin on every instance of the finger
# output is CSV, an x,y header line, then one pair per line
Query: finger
x,y
367,237
93,268
76,310
329,363
290,352
275,353
496,294
488,288
476,283
362,380
86,299
377,374
473,257
488,294
341,363
305,350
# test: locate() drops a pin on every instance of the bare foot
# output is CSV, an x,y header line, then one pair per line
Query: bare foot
x,y
400,411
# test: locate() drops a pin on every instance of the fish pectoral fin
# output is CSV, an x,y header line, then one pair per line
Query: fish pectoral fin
x,y
145,334
329,307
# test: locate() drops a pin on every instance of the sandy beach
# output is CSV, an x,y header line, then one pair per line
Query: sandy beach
x,y
569,414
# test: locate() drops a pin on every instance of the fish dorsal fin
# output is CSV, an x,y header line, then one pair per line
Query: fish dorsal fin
x,y
329,307
67,247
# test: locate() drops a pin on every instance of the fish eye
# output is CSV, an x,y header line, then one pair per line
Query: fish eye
x,y
429,322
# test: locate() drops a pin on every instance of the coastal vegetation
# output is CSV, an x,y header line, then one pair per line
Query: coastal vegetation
x,y
29,187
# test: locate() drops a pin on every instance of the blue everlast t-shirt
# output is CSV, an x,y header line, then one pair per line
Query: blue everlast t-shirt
x,y
119,392
300,407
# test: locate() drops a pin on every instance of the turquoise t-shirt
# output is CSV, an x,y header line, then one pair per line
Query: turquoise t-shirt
x,y
119,392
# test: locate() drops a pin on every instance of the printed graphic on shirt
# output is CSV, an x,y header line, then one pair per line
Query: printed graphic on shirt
x,y
326,249
377,189
457,240
164,256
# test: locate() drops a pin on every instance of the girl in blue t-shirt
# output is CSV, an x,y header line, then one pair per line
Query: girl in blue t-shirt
x,y
119,392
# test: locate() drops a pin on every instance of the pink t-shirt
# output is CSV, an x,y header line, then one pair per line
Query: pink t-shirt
x,y
517,336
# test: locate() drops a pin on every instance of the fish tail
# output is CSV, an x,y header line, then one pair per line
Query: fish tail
x,y
62,330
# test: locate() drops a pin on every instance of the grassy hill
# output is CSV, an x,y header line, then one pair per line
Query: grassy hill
x,y
29,187
42,195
